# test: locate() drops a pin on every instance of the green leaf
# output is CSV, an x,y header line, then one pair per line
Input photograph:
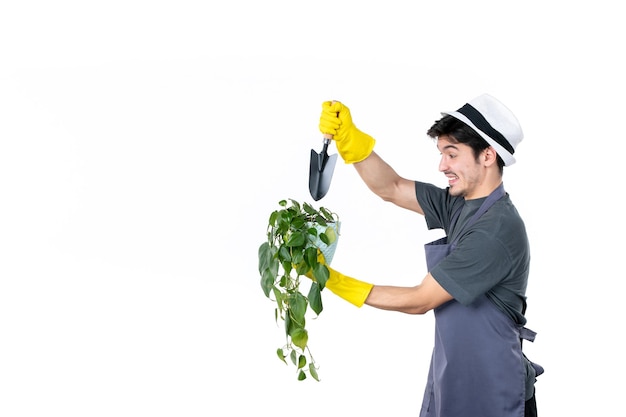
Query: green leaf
x,y
289,328
283,219
281,355
310,254
309,209
315,298
267,282
296,239
301,375
302,268
328,215
284,256
313,372
321,274
292,356
300,338
273,218
265,256
280,298
297,223
297,307
297,257
284,281
301,361
320,220
295,204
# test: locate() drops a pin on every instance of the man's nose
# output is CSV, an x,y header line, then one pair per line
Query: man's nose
x,y
443,165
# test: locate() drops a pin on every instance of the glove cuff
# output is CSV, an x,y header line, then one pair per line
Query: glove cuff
x,y
356,146
350,289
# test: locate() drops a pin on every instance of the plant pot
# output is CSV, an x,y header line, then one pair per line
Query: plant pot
x,y
327,250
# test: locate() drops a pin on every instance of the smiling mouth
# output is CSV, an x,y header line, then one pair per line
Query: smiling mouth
x,y
451,178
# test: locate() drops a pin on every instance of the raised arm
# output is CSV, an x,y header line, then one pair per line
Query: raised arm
x,y
356,147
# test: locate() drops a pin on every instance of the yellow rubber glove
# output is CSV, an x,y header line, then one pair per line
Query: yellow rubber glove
x,y
336,123
350,289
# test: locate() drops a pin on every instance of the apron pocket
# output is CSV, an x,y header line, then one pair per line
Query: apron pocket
x,y
436,251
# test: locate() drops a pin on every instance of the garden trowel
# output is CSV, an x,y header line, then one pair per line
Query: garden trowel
x,y
321,170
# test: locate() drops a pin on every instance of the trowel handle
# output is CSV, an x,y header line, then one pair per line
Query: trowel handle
x,y
327,136
327,139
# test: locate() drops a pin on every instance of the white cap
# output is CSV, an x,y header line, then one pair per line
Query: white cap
x,y
494,122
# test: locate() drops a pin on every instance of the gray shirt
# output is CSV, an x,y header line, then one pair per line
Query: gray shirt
x,y
491,257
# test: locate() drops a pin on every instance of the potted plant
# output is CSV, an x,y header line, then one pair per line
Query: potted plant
x,y
296,233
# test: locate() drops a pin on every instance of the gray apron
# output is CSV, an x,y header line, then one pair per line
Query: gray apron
x,y
477,367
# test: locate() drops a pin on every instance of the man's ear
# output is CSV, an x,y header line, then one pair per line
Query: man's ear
x,y
490,156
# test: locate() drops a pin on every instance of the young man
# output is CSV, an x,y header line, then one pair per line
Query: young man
x,y
477,275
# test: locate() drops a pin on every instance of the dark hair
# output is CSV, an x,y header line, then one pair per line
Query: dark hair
x,y
461,133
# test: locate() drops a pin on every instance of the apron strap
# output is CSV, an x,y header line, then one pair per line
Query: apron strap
x,y
496,195
527,334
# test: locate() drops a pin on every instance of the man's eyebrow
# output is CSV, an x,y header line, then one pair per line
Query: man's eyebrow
x,y
451,146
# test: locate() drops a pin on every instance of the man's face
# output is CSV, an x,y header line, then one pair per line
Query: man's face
x,y
464,172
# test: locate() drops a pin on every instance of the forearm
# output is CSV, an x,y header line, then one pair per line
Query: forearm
x,y
401,299
411,300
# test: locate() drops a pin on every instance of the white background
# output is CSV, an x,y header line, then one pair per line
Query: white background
x,y
144,144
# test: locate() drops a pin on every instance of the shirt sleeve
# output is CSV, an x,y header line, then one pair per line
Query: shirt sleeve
x,y
437,205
